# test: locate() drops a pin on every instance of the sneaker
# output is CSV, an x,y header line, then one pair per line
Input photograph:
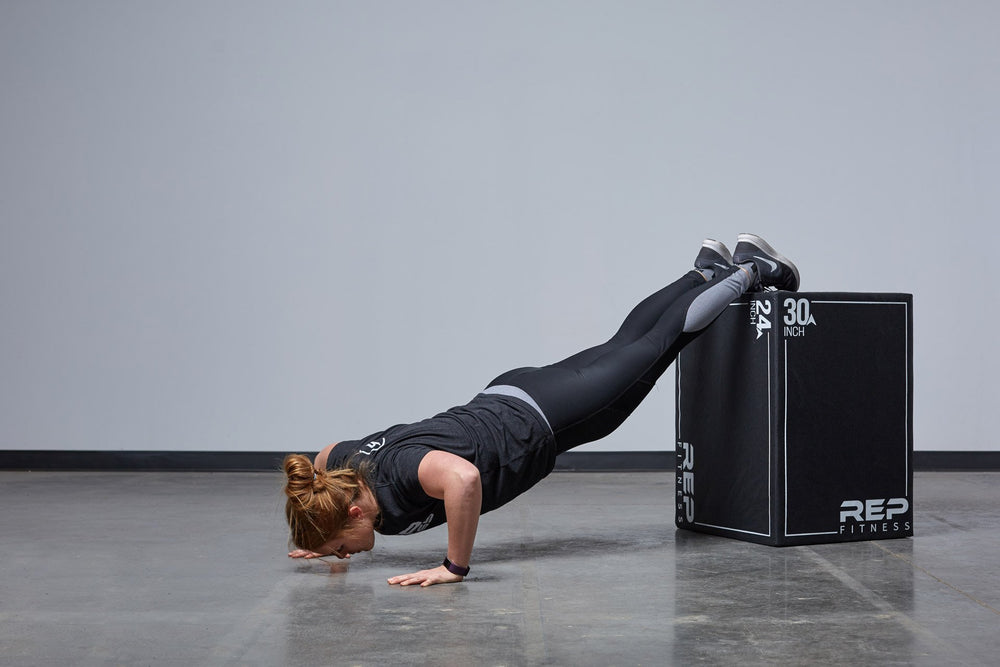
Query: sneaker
x,y
776,271
713,255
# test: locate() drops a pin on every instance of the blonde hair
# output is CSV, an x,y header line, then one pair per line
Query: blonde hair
x,y
318,500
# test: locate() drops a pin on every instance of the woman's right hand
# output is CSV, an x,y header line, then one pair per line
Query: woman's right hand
x,y
304,553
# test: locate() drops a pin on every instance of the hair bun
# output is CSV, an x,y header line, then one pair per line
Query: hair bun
x,y
319,479
300,473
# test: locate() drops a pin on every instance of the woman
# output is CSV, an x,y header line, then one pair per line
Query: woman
x,y
477,457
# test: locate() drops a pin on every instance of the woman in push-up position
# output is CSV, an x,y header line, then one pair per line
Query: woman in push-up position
x,y
476,457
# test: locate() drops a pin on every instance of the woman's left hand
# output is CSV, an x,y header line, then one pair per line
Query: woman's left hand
x,y
437,575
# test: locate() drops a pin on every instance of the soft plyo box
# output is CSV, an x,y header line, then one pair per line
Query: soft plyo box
x,y
794,419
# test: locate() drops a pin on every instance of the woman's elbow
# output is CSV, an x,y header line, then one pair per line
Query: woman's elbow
x,y
467,479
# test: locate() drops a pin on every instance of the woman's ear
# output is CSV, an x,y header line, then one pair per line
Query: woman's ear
x,y
355,512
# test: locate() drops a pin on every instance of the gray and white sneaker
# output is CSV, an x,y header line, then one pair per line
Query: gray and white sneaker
x,y
713,255
775,271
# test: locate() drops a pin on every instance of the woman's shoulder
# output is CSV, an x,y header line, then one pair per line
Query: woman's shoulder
x,y
323,457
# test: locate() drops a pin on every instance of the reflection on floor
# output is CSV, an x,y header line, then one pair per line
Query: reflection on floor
x,y
585,569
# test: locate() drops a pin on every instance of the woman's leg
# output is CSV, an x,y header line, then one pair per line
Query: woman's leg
x,y
640,320
588,395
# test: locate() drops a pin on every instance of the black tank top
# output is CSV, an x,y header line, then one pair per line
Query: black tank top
x,y
504,437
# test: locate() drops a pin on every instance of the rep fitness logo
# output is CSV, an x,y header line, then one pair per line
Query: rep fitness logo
x,y
685,482
874,516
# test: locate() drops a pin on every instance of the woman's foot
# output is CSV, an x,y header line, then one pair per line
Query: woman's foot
x,y
776,271
713,255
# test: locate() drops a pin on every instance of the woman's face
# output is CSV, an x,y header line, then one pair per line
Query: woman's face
x,y
357,536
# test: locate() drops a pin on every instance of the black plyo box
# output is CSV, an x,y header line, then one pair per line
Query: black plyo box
x,y
794,419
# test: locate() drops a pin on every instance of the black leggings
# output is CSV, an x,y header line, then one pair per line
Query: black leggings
x,y
588,395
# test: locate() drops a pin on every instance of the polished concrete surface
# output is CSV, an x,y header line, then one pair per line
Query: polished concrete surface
x,y
586,569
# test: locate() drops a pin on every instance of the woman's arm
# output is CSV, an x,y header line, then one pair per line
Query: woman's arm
x,y
456,481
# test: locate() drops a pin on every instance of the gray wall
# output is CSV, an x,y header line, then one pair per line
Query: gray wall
x,y
268,226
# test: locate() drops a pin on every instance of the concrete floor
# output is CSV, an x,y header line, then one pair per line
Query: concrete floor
x,y
586,569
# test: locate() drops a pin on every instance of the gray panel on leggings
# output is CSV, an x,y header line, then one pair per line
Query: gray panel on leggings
x,y
707,305
517,392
